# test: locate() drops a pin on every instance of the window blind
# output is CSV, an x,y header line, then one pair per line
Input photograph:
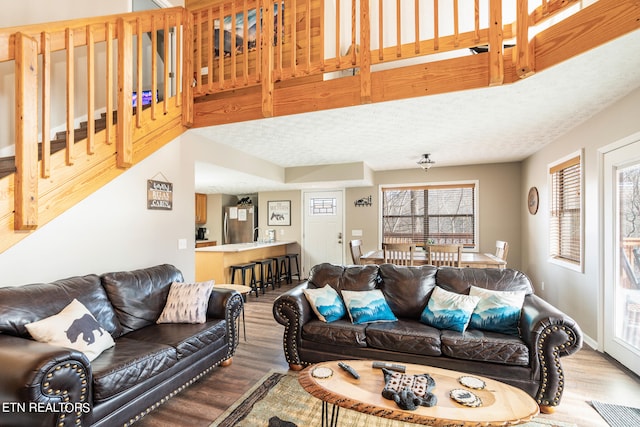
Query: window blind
x,y
565,230
430,214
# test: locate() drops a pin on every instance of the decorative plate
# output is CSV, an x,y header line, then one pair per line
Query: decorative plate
x,y
465,397
532,200
472,382
321,372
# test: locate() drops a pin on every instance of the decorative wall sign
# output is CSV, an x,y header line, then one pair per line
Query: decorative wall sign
x,y
365,201
159,195
279,212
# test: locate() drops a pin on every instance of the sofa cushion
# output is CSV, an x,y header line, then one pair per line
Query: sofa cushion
x,y
139,296
326,303
485,346
407,289
186,303
74,327
340,332
129,363
186,338
351,278
497,311
17,306
406,336
460,280
448,310
367,306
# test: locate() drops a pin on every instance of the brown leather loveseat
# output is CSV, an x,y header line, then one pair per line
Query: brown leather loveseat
x,y
528,359
46,385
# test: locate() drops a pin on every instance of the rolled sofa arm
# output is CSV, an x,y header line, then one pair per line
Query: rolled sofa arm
x,y
226,304
41,384
292,310
549,334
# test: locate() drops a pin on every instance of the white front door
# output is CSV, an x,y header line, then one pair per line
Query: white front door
x,y
323,228
622,255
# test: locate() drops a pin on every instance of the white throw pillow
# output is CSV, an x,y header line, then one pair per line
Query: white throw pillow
x,y
326,303
497,311
187,303
74,327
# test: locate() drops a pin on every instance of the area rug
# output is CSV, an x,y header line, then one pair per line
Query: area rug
x,y
617,415
280,395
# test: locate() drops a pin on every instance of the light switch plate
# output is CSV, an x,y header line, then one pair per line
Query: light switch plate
x,y
356,233
182,244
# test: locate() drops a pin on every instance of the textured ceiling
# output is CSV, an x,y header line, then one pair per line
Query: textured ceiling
x,y
495,124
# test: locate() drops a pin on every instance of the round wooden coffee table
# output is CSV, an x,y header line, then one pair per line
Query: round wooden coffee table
x,y
502,404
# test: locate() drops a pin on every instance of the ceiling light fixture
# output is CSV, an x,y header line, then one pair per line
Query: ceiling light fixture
x,y
425,162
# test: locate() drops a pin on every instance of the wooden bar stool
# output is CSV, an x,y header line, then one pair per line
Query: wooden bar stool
x,y
242,268
289,264
266,274
281,271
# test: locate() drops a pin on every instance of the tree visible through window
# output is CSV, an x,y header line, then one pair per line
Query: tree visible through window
x,y
565,227
430,214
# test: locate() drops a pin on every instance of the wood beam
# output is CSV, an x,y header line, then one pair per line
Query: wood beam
x,y
26,127
594,25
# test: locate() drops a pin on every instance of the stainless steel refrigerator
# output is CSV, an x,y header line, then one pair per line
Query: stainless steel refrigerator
x,y
239,224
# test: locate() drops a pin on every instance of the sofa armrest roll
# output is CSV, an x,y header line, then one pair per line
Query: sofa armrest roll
x,y
549,334
292,310
226,304
42,384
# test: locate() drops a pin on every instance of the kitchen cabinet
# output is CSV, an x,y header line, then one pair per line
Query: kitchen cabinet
x,y
205,243
201,208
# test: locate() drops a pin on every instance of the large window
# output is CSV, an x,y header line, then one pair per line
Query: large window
x,y
565,216
430,214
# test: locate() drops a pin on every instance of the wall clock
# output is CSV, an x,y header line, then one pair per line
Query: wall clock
x,y
532,200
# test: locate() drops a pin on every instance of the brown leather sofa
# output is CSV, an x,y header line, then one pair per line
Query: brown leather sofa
x,y
530,361
46,385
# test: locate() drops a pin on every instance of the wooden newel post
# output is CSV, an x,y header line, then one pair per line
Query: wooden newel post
x,y
26,118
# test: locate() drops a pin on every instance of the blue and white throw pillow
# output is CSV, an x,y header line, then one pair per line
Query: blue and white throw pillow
x,y
448,310
497,311
326,303
368,306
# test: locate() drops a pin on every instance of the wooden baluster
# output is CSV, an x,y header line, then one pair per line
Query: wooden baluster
x,y
398,30
210,52
221,77
245,43
45,164
232,46
308,23
154,66
69,46
417,26
365,53
178,72
321,36
267,60
456,24
524,50
124,143
436,32
380,30
338,53
197,30
109,83
496,60
167,69
91,125
26,128
293,37
353,49
477,20
139,49
279,35
259,52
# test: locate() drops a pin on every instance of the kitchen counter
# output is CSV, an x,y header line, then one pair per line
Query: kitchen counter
x,y
241,247
214,262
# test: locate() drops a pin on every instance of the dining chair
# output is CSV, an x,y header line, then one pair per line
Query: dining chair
x,y
356,251
398,253
444,255
502,248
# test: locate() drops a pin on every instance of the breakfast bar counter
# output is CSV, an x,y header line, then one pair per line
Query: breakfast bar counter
x,y
214,262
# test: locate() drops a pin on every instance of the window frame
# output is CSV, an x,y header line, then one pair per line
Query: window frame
x,y
553,168
435,185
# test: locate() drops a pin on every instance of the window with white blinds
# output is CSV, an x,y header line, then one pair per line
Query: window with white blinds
x,y
441,214
565,216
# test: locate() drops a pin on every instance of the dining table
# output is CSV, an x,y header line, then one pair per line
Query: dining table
x,y
469,259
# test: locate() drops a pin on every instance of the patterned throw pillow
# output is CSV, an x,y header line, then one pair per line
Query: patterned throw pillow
x,y
448,310
497,311
367,306
326,303
74,327
187,303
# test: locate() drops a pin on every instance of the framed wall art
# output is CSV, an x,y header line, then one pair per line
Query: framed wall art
x,y
279,212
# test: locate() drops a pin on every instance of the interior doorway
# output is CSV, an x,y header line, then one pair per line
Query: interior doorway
x,y
323,228
622,254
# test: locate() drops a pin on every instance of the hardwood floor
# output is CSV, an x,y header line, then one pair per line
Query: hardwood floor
x,y
589,374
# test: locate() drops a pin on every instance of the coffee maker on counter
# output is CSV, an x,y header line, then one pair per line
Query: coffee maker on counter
x,y
201,233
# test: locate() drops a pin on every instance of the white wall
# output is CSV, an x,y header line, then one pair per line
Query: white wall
x,y
112,229
576,293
